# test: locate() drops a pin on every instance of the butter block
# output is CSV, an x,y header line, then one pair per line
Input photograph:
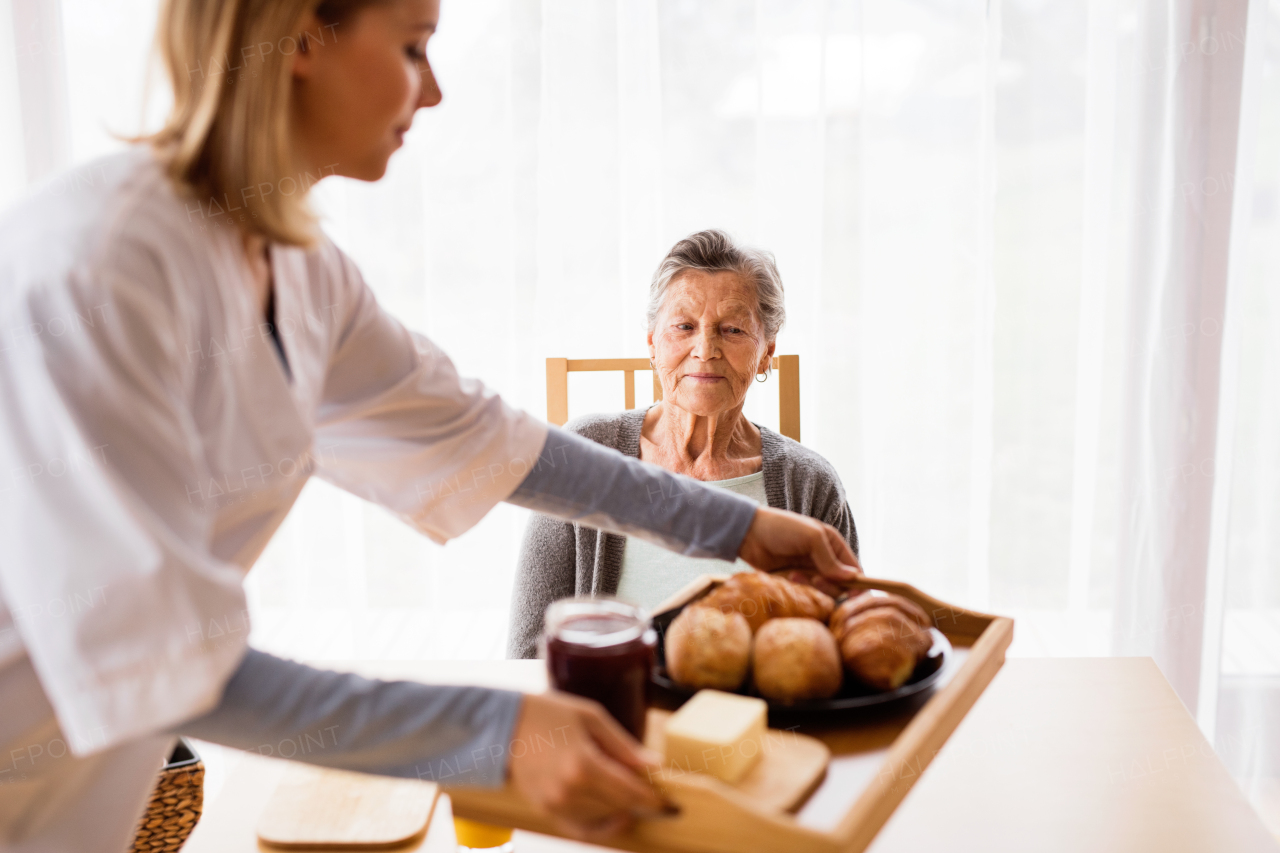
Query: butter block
x,y
721,734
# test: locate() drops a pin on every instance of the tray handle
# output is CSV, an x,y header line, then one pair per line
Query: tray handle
x,y
947,618
713,817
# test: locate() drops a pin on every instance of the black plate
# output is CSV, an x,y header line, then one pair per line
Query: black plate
x,y
852,695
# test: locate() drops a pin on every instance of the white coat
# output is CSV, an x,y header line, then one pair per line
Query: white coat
x,y
151,440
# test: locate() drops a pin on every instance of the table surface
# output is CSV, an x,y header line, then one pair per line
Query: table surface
x,y
1093,754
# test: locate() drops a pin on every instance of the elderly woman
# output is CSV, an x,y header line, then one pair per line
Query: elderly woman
x,y
715,309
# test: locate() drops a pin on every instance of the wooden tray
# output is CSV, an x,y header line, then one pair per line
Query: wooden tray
x,y
874,762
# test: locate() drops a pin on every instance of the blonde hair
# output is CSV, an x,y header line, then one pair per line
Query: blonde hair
x,y
227,141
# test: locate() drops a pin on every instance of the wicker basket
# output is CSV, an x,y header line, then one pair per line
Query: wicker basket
x,y
175,803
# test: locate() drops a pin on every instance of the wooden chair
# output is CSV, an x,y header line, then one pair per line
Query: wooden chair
x,y
558,370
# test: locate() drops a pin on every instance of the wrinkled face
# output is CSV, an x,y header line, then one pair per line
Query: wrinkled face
x,y
357,87
708,343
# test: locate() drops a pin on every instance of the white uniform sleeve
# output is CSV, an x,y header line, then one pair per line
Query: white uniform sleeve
x,y
106,569
398,426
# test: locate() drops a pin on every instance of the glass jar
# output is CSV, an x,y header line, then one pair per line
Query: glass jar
x,y
602,648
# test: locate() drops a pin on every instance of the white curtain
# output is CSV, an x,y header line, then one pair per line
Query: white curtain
x,y
1191,62
1240,685
1030,252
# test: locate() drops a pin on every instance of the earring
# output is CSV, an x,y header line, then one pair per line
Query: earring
x,y
651,365
762,377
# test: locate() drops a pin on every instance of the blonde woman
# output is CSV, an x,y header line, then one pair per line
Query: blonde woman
x,y
156,426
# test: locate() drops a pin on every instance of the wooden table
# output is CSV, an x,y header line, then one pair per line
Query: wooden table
x,y
1070,755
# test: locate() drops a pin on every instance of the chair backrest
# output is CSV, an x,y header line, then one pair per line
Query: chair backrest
x,y
558,370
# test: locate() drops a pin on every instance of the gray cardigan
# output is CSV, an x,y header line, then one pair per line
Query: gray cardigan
x,y
559,559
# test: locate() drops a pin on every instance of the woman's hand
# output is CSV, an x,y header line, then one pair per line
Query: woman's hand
x,y
592,778
778,539
811,577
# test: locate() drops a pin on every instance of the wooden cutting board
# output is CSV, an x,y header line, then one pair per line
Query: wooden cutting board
x,y
318,808
790,769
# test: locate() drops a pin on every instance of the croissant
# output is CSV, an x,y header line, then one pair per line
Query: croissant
x,y
881,638
864,602
760,597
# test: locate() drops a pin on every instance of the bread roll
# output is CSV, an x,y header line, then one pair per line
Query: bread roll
x,y
881,638
796,659
706,647
760,597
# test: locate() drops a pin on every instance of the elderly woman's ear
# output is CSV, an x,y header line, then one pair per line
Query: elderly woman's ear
x,y
767,358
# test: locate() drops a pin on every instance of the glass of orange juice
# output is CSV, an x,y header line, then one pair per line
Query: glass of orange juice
x,y
474,835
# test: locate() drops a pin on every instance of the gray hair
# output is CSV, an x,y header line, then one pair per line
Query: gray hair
x,y
714,251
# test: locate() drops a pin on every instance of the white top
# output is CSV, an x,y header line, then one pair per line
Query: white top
x,y
151,441
650,574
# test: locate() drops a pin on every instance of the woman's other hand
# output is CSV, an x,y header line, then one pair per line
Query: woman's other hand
x,y
779,539
581,767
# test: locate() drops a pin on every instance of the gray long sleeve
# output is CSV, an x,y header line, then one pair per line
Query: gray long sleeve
x,y
578,480
451,735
